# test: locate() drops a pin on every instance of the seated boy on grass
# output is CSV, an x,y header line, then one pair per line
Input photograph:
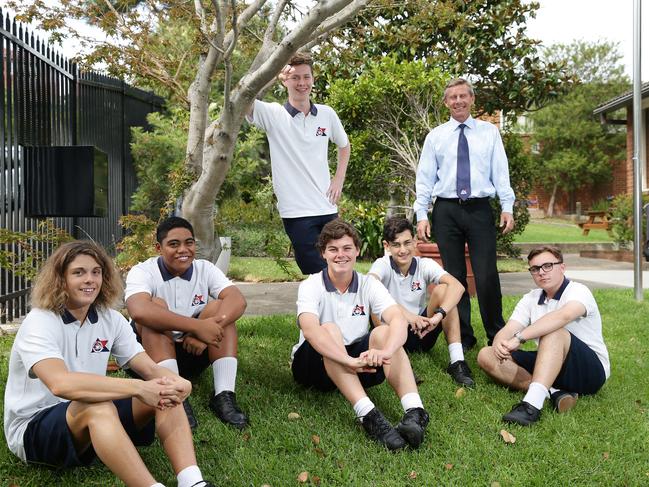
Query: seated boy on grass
x,y
60,409
184,311
563,318
407,278
337,350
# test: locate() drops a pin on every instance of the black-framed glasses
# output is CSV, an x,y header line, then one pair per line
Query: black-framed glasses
x,y
547,267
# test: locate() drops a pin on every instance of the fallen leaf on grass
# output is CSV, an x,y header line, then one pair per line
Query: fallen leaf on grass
x,y
495,484
448,466
412,475
315,439
293,416
507,437
605,455
266,485
318,451
246,436
460,392
303,477
315,480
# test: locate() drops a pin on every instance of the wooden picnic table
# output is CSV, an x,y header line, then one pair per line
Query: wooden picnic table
x,y
596,219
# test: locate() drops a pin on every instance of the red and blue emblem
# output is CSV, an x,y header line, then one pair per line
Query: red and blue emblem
x,y
321,132
198,300
415,286
99,346
359,310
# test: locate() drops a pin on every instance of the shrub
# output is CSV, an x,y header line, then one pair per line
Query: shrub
x,y
368,219
622,216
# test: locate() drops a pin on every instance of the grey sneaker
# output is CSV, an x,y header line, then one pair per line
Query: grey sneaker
x,y
379,429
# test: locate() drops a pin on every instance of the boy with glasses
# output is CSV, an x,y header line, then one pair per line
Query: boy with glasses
x,y
563,318
407,277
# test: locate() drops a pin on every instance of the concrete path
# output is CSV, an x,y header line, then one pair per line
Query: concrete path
x,y
280,297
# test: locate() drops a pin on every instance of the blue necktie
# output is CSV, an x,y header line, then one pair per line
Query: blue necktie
x,y
463,166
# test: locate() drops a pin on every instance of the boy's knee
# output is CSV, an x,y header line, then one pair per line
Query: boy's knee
x,y
378,336
486,358
89,413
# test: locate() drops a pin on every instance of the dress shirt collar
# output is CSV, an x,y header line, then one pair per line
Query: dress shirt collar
x,y
469,122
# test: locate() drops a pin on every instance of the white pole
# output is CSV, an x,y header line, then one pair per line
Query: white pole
x,y
637,172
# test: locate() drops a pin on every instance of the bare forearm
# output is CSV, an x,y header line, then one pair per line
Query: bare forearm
x,y
78,386
232,309
325,346
160,319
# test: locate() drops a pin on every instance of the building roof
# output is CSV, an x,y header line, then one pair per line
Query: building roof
x,y
621,100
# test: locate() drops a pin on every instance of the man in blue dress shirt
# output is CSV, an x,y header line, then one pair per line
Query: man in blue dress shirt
x,y
462,165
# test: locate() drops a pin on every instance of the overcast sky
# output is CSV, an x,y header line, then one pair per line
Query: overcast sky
x,y
566,20
592,20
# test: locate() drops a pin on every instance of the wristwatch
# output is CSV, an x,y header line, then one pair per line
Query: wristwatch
x,y
441,311
520,337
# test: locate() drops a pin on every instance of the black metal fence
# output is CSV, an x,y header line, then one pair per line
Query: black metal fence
x,y
46,101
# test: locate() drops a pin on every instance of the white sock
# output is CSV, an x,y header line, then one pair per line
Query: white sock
x,y
456,352
553,390
363,406
158,484
411,400
225,374
189,476
170,363
536,395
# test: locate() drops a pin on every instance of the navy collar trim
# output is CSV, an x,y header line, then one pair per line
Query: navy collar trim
x,y
329,286
558,294
68,318
292,111
168,276
411,269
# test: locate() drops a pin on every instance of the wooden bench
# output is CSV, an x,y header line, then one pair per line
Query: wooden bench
x,y
596,219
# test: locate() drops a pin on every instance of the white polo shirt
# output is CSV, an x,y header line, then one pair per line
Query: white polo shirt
x,y
299,155
44,335
186,294
409,290
535,304
350,310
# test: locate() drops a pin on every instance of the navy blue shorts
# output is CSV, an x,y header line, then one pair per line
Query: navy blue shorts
x,y
303,233
190,366
49,441
416,344
309,370
582,372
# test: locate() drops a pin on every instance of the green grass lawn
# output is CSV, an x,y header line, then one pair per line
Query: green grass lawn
x,y
264,269
559,231
603,441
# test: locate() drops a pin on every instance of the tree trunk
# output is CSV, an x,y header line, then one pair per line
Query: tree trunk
x,y
553,197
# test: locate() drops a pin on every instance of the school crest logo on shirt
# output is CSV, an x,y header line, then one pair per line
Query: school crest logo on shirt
x,y
321,132
359,310
198,299
99,346
415,286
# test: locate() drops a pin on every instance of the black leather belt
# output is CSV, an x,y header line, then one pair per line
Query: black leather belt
x,y
469,201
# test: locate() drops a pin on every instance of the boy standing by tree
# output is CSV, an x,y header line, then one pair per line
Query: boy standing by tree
x,y
336,348
407,277
185,312
298,135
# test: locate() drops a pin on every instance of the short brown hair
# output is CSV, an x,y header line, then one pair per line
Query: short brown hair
x,y
556,251
302,57
458,82
49,287
334,230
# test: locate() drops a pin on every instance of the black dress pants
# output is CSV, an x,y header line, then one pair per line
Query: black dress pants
x,y
471,222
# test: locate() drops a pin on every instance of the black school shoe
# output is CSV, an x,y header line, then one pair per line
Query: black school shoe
x,y
563,401
225,406
379,429
193,423
413,425
461,373
203,483
523,413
